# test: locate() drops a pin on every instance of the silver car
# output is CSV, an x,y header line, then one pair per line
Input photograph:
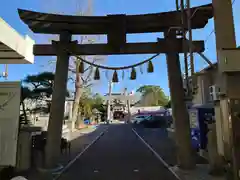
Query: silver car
x,y
140,118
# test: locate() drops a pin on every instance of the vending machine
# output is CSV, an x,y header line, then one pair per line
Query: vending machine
x,y
200,116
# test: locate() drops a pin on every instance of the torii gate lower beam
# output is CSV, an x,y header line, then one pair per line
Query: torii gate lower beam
x,y
128,48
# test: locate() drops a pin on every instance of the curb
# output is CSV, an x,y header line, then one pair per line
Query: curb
x,y
157,155
54,170
59,174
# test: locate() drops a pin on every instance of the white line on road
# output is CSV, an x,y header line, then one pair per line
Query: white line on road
x,y
79,155
156,154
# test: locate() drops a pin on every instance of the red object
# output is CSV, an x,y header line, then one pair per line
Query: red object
x,y
93,123
81,126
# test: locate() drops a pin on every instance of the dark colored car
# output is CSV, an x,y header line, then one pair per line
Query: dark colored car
x,y
154,122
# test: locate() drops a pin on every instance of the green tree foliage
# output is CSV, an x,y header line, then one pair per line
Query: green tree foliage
x,y
38,87
41,85
98,103
153,95
88,102
85,103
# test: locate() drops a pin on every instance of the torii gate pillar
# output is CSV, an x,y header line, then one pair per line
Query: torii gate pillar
x,y
58,99
225,39
180,115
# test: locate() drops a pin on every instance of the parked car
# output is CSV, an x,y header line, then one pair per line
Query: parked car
x,y
139,119
155,122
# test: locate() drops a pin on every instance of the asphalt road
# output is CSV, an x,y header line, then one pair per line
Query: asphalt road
x,y
158,139
118,155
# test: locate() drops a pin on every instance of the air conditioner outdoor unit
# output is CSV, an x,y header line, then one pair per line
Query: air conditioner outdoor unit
x,y
214,92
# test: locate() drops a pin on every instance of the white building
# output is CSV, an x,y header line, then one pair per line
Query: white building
x,y
14,49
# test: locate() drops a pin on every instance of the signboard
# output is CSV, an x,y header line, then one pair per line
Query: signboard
x,y
10,93
193,117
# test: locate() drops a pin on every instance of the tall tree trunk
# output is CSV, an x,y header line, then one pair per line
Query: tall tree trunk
x,y
78,93
24,111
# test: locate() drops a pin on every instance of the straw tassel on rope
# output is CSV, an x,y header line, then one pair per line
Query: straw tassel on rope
x,y
150,68
81,67
115,77
97,74
133,74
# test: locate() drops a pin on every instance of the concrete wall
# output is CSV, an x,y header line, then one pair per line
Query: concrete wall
x,y
9,121
42,119
198,97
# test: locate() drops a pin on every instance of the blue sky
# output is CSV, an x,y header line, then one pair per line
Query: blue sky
x,y
8,11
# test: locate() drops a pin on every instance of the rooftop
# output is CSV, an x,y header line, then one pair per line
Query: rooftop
x,y
158,22
14,48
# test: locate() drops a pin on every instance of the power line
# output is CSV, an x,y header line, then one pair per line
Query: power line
x,y
210,34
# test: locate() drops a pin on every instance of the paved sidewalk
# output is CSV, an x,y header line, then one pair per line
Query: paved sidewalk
x,y
77,133
200,173
79,140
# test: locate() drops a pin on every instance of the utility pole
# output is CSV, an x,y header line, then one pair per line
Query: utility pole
x,y
129,109
179,109
225,39
109,102
127,96
188,4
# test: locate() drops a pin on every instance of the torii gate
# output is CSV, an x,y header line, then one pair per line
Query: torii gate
x,y
116,27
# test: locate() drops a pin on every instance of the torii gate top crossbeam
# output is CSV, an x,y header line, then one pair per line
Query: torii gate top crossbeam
x,y
158,22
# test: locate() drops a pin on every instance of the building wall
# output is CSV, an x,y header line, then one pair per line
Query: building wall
x,y
205,80
209,78
198,97
41,119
